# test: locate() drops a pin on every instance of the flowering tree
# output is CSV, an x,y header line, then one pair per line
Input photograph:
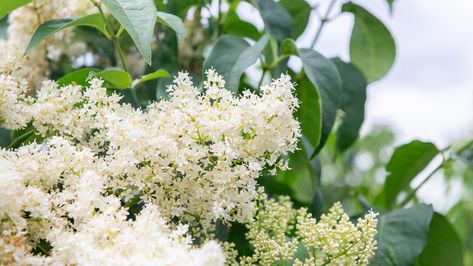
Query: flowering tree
x,y
175,133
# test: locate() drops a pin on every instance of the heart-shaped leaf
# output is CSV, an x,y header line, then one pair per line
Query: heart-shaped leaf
x,y
372,47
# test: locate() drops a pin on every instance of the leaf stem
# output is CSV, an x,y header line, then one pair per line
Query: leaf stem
x,y
277,61
119,52
323,21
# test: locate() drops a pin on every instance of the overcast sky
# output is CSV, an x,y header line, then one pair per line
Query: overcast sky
x,y
429,92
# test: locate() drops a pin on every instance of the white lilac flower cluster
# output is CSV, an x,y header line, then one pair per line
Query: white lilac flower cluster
x,y
197,155
194,158
282,235
22,24
55,193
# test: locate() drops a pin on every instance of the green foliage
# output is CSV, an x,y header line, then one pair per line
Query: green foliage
x,y
173,22
114,78
78,77
310,110
300,13
352,104
138,17
10,5
323,74
372,47
402,235
52,26
276,19
234,25
3,27
406,163
160,73
231,56
301,179
444,246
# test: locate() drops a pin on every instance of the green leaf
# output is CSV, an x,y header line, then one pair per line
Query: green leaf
x,y
232,24
406,163
310,110
301,178
372,47
8,6
3,27
276,19
173,22
289,47
138,17
115,78
160,73
50,27
352,104
78,77
5,137
444,246
300,12
325,77
402,235
231,56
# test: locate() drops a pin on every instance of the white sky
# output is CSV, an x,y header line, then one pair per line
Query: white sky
x,y
429,92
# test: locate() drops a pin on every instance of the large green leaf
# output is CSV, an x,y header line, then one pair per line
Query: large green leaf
x,y
372,47
8,6
444,246
402,235
325,77
300,12
352,104
138,17
231,56
50,27
276,19
406,163
234,25
115,78
173,22
310,110
78,77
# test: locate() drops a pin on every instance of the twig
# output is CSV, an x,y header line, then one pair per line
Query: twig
x,y
323,21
